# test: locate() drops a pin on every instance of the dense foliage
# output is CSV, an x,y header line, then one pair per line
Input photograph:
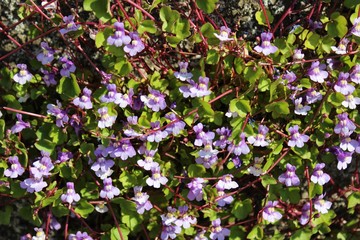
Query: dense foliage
x,y
154,119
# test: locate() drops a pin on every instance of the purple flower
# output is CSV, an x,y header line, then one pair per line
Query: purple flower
x,y
194,89
355,74
202,137
342,84
63,157
224,133
297,139
196,189
67,67
223,198
318,176
19,125
207,156
23,76
43,166
289,178
70,196
141,200
269,212
102,167
156,135
119,38
256,169
33,184
185,220
226,182
355,30
298,55
240,148
148,161
345,126
49,77
312,96
84,102
105,77
344,158
135,46
317,73
346,143
122,149
80,236
109,191
15,169
70,25
175,126
259,139
170,231
315,24
351,101
289,76
201,235
156,179
266,48
341,48
322,205
301,109
47,54
218,232
224,34
183,74
305,214
155,100
105,119
112,95
61,115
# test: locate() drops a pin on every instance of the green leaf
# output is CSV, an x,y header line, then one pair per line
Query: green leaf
x,y
336,99
242,209
147,26
115,235
123,66
182,28
303,152
101,8
83,208
239,65
253,73
99,39
5,215
68,87
278,109
264,84
261,19
312,41
45,145
337,27
205,109
131,179
315,189
208,6
196,170
353,199
168,17
2,129
12,102
241,107
173,41
212,57
301,234
267,180
256,233
351,3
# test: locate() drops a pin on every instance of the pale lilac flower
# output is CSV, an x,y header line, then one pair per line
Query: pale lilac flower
x,y
207,156
266,47
317,73
23,76
84,102
201,89
148,161
196,189
112,95
305,214
315,24
61,115
33,184
106,120
19,125
40,234
202,137
256,169
345,126
183,74
102,167
67,67
70,196
259,140
80,236
70,25
342,84
297,139
301,109
289,76
135,46
119,38
170,217
47,54
63,157
15,169
184,220
344,158
105,77
240,148
43,165
224,34
318,176
170,231
355,74
322,205
54,224
237,161
141,200
218,232
223,200
269,212
346,143
341,48
126,99
289,178
156,179
351,101
109,191
122,149
201,235
224,134
155,100
156,134
226,182
313,96
355,30
298,55
49,77
175,126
